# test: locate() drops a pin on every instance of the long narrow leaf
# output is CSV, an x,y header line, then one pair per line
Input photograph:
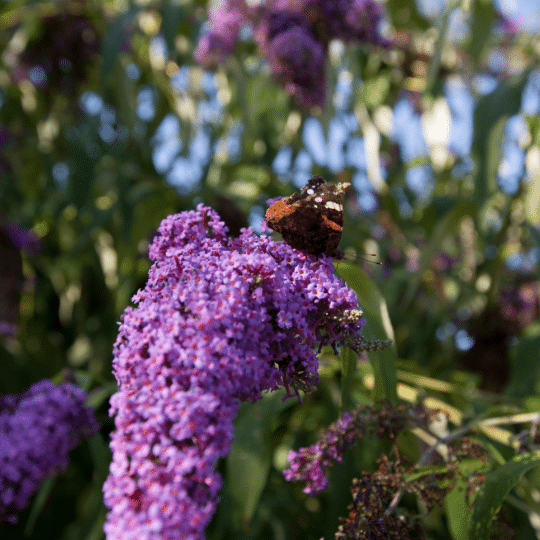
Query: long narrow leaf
x,y
378,326
496,487
489,114
249,462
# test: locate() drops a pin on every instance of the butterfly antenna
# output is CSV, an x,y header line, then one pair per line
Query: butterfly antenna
x,y
372,262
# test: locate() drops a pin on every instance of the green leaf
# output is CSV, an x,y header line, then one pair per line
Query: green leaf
x,y
375,90
484,15
534,233
250,458
496,487
378,326
101,457
172,15
83,174
457,510
425,470
446,225
40,501
524,366
490,117
493,157
112,43
457,503
405,13
532,200
348,359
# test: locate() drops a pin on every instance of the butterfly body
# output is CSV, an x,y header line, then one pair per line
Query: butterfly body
x,y
311,220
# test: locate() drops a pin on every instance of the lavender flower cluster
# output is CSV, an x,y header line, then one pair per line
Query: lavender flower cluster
x,y
37,431
219,321
312,462
384,419
293,35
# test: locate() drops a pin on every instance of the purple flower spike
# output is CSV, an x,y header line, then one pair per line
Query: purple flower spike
x,y
219,321
37,431
384,419
311,463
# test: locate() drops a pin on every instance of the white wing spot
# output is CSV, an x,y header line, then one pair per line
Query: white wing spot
x,y
334,206
310,191
318,199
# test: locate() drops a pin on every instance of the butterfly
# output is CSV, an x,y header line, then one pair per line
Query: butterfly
x,y
311,220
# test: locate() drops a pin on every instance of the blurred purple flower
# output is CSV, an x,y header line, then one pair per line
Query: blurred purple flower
x,y
23,239
213,49
294,35
226,20
8,328
219,321
13,239
362,22
37,431
349,20
6,138
519,305
297,60
413,261
274,22
444,262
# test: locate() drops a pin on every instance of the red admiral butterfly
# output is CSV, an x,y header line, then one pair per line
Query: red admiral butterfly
x,y
311,220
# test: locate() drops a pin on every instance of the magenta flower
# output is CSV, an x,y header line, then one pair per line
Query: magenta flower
x,y
37,431
219,321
